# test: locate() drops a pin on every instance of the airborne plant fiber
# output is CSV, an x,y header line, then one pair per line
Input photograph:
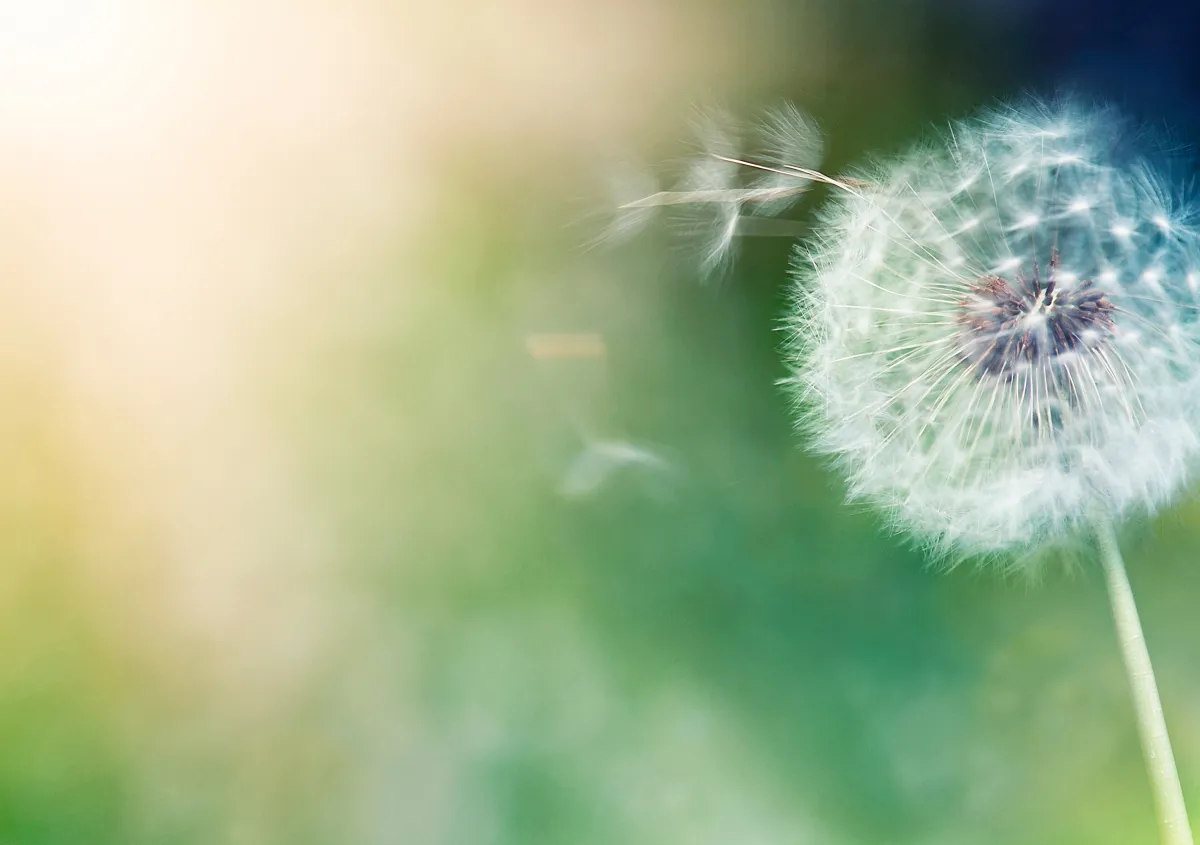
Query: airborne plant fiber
x,y
996,337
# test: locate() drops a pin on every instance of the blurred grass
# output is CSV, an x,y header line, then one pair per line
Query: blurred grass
x,y
728,654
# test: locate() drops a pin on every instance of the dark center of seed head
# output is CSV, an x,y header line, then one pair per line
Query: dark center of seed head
x,y
1011,325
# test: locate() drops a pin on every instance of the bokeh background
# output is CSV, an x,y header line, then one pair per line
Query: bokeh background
x,y
297,546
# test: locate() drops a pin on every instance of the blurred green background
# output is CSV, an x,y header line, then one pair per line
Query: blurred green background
x,y
287,555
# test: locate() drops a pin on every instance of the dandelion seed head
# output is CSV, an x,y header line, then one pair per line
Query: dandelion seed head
x,y
996,335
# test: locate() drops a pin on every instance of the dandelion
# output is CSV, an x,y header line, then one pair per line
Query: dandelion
x,y
997,339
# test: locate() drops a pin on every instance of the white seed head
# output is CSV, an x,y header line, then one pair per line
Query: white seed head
x,y
996,335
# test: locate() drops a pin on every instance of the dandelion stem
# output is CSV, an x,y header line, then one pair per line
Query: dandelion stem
x,y
1156,744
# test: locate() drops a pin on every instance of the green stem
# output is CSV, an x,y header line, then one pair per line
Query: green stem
x,y
1156,744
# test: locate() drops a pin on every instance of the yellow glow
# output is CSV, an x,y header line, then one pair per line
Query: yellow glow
x,y
60,53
